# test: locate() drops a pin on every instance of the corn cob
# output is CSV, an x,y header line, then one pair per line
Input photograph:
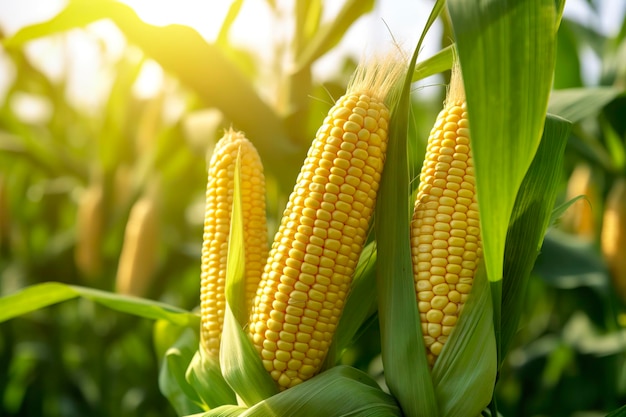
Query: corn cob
x,y
322,232
138,259
579,218
219,200
90,230
613,239
445,234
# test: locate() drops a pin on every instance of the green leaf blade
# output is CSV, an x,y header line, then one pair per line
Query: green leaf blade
x,y
46,294
172,383
204,374
530,218
507,55
34,298
327,37
574,104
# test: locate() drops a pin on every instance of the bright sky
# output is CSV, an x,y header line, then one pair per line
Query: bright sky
x,y
255,26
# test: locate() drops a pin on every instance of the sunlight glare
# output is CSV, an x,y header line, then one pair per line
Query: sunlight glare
x,y
204,16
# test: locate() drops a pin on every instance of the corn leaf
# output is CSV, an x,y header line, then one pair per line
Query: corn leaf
x,y
530,218
575,104
308,16
615,145
240,362
43,295
204,374
223,411
620,412
340,391
567,70
507,54
560,6
329,36
200,65
403,353
172,383
560,210
113,144
464,375
233,12
569,263
437,63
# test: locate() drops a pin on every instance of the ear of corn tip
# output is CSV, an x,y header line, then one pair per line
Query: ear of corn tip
x,y
219,200
445,231
323,229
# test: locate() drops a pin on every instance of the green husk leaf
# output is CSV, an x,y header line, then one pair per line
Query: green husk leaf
x,y
575,104
235,288
329,36
340,391
464,375
437,63
403,353
530,218
38,296
172,383
204,374
507,54
240,362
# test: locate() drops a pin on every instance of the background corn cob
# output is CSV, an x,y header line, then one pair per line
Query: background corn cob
x,y
614,236
445,234
89,231
139,257
579,218
219,200
323,229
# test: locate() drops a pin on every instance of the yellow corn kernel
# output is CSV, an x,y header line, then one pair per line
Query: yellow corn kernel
x,y
322,232
219,201
613,238
445,234
138,259
89,231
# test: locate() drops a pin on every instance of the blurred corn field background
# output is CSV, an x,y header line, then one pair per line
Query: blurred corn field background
x,y
108,122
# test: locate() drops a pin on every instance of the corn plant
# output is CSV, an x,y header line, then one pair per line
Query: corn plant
x,y
423,275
